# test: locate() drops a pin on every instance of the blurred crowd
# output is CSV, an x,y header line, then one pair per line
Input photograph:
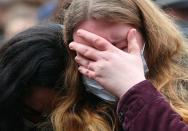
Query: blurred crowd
x,y
18,15
178,9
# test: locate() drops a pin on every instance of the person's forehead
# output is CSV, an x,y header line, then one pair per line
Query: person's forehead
x,y
101,28
95,25
108,30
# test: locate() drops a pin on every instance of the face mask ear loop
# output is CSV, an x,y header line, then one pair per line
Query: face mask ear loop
x,y
143,60
142,51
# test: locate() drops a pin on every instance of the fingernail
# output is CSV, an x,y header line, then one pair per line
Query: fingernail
x,y
76,58
79,69
79,32
71,45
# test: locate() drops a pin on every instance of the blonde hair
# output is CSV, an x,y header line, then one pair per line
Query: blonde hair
x,y
166,54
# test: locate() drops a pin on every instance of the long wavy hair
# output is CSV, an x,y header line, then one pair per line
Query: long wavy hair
x,y
166,53
33,58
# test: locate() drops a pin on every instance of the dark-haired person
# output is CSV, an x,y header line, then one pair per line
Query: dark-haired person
x,y
30,66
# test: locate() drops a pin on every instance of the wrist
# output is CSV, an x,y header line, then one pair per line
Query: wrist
x,y
126,89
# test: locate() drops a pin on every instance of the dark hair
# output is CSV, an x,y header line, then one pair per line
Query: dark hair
x,y
35,57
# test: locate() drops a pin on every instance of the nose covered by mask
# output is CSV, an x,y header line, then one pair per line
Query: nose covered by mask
x,y
95,88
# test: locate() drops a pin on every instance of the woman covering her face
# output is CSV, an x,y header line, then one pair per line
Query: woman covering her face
x,y
129,52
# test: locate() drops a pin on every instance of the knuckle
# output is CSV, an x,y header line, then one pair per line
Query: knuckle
x,y
92,76
89,65
97,41
101,43
87,72
86,52
100,67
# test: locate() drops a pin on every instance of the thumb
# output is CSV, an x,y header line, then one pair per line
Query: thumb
x,y
133,42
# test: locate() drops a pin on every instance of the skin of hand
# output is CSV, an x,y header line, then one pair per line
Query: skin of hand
x,y
116,70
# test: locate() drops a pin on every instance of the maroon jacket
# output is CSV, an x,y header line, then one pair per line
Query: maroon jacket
x,y
143,108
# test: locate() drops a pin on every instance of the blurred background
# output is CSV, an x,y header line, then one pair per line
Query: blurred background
x,y
18,15
178,9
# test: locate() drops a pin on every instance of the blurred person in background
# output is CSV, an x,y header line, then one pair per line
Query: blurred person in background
x,y
45,8
4,7
178,9
23,14
36,3
19,18
30,66
47,11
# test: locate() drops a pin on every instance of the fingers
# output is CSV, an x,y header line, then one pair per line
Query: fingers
x,y
90,74
94,40
85,62
134,42
84,50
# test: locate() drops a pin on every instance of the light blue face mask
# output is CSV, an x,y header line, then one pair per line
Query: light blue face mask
x,y
95,88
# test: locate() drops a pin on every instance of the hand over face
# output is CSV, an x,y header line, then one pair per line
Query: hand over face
x,y
116,70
